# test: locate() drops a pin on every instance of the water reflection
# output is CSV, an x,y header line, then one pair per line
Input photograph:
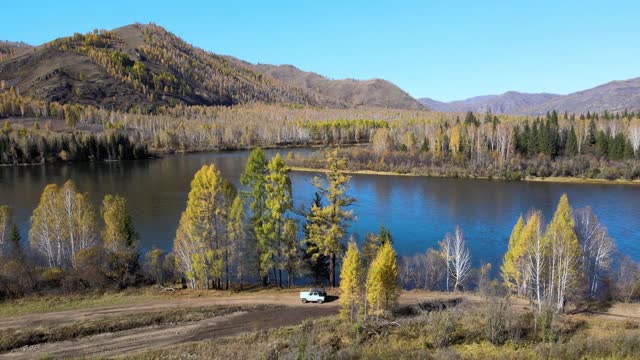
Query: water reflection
x,y
419,211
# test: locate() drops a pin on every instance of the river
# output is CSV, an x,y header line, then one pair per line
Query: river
x,y
417,210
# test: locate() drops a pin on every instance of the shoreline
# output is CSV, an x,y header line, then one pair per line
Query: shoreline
x,y
551,179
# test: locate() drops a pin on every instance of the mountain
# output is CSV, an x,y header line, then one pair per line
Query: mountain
x,y
511,102
146,66
613,96
10,48
349,92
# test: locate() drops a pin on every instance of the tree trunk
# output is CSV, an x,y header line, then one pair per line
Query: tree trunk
x,y
332,270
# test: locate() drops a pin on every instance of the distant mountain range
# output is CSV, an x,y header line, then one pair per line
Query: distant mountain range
x,y
612,96
147,66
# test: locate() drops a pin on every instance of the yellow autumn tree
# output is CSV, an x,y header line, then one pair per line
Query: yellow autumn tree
x,y
511,268
564,253
382,281
350,282
199,239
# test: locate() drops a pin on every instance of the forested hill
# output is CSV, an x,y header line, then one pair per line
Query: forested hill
x,y
147,66
349,92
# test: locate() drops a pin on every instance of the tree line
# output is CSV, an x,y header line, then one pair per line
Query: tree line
x,y
230,237
605,146
39,147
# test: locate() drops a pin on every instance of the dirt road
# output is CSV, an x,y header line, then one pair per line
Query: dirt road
x,y
287,310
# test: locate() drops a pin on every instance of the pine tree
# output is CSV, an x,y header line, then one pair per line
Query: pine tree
x,y
328,224
350,282
382,281
571,147
317,262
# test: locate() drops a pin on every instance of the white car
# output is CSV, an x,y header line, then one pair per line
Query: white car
x,y
313,295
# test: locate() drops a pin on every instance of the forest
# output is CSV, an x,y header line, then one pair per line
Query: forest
x,y
591,146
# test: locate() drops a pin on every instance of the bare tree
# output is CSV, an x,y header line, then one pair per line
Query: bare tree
x,y
597,248
458,258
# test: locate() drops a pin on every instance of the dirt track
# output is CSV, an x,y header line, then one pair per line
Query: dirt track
x,y
287,311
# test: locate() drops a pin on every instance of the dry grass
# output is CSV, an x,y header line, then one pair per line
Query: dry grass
x,y
15,338
456,333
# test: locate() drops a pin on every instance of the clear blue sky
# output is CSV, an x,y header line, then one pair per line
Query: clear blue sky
x,y
446,50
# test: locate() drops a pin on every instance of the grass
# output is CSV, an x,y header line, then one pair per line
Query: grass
x,y
49,303
15,338
455,333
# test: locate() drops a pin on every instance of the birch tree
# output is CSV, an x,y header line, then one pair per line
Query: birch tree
x,y
597,249
535,251
564,252
63,224
459,258
5,227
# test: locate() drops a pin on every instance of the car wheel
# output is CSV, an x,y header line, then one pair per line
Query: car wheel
x,y
319,301
304,301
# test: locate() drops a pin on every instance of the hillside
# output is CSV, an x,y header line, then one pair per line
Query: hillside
x,y
614,96
146,66
141,65
10,48
511,102
348,92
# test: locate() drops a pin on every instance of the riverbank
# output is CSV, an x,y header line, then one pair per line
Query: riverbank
x,y
552,179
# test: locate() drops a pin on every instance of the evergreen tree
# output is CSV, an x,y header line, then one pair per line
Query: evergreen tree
x,y
602,144
328,224
571,147
317,262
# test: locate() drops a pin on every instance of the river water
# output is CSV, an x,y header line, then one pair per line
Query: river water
x,y
417,210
